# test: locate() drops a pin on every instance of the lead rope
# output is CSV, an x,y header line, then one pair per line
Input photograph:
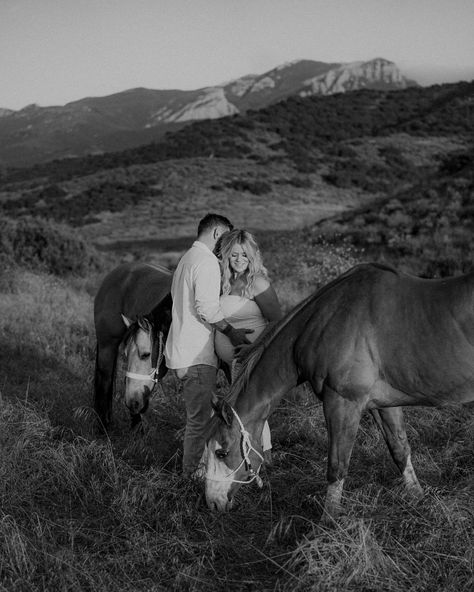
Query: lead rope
x,y
246,449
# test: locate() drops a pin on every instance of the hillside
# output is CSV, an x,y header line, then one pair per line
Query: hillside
x,y
282,168
302,125
95,125
425,229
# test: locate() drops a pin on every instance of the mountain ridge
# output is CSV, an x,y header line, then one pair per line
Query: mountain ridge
x,y
300,128
136,116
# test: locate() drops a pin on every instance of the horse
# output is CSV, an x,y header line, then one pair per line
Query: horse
x,y
132,304
373,339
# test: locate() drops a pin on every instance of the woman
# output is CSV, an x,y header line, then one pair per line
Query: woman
x,y
248,299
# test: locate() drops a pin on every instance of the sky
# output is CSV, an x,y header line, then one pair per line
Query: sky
x,y
56,51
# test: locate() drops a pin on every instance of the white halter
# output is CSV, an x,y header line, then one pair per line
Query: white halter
x,y
246,448
153,374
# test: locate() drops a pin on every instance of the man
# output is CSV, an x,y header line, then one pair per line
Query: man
x,y
196,313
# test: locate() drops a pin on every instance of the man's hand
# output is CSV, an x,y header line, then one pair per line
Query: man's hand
x,y
240,351
236,336
239,336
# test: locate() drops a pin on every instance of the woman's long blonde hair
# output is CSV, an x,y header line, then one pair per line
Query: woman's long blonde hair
x,y
249,245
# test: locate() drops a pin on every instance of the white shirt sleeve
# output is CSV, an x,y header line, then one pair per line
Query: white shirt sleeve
x,y
207,287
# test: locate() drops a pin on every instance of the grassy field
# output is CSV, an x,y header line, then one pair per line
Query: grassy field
x,y
79,513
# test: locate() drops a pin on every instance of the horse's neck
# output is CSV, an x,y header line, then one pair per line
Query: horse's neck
x,y
274,374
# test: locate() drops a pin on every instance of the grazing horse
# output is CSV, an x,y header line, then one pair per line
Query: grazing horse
x,y
373,339
130,291
143,349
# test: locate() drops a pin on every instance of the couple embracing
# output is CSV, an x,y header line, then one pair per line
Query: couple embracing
x,y
218,305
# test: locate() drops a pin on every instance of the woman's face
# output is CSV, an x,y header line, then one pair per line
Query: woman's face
x,y
238,261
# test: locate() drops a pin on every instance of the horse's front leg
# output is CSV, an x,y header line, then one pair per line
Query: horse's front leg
x,y
342,421
392,425
106,358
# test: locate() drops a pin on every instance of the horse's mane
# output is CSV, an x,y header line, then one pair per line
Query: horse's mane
x,y
159,318
254,354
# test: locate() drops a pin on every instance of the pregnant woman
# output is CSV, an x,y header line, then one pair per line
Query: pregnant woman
x,y
248,299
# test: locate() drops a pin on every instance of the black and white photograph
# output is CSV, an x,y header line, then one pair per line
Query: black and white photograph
x,y
236,295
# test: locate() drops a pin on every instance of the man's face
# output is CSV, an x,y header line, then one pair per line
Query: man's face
x,y
219,231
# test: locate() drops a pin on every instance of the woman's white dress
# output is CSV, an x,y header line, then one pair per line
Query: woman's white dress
x,y
242,313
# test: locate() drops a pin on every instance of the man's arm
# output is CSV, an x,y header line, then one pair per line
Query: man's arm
x,y
207,291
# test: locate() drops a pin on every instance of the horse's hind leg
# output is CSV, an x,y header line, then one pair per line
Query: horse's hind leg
x,y
392,425
342,420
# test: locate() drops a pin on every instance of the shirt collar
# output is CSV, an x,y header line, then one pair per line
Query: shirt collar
x,y
202,246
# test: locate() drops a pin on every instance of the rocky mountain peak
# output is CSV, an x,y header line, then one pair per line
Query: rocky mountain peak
x,y
377,73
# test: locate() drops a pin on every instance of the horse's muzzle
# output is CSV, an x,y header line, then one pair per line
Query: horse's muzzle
x,y
221,505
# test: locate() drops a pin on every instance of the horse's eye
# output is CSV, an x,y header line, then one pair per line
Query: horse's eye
x,y
144,356
221,453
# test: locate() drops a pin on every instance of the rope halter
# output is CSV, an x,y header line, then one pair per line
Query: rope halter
x,y
246,448
154,372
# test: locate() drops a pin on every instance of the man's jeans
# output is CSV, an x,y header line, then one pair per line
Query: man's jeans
x,y
199,385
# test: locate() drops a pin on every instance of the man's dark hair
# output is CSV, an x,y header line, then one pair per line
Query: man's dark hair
x,y
211,220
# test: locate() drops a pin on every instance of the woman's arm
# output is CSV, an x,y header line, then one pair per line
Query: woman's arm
x,y
267,300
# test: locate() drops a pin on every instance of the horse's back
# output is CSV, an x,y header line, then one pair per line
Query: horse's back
x,y
380,299
131,289
375,324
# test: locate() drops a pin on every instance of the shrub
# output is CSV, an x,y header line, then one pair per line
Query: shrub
x,y
301,182
52,191
255,187
55,203
36,243
456,162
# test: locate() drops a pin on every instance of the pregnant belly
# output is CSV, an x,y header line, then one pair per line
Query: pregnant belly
x,y
225,349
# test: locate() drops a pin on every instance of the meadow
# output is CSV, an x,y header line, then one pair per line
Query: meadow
x,y
324,185
79,512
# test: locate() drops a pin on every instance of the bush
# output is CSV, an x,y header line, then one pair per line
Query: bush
x,y
54,202
255,187
36,243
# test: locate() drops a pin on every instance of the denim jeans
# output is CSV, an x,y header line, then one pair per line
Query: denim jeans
x,y
199,385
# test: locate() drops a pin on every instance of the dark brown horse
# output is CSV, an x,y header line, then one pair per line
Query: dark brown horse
x,y
373,339
138,292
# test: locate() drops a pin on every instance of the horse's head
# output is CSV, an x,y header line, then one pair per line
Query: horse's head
x,y
143,351
234,457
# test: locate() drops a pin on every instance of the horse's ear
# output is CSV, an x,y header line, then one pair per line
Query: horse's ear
x,y
215,403
226,413
222,409
126,321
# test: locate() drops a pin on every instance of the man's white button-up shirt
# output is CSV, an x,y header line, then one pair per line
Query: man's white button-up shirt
x,y
195,290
